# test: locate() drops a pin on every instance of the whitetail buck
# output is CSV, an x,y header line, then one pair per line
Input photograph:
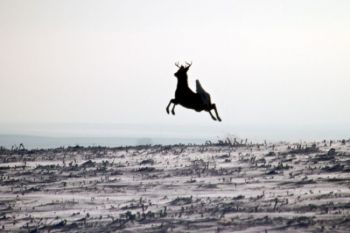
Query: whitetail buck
x,y
187,98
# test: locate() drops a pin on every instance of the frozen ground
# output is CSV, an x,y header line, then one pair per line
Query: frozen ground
x,y
222,187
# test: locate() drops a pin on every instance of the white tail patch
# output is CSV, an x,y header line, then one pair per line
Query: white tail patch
x,y
205,97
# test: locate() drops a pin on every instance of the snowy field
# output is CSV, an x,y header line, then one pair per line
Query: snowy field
x,y
222,187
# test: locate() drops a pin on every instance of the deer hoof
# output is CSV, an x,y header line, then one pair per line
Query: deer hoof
x,y
167,110
173,112
219,118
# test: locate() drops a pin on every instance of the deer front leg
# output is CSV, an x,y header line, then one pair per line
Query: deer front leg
x,y
213,106
173,110
172,101
167,107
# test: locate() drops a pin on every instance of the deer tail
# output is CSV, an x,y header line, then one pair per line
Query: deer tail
x,y
199,88
205,97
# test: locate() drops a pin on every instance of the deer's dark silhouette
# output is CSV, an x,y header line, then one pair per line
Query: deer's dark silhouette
x,y
187,98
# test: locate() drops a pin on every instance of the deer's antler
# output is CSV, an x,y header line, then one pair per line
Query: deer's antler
x,y
188,64
177,64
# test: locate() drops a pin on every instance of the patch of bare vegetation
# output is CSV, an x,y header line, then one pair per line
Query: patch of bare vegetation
x,y
227,186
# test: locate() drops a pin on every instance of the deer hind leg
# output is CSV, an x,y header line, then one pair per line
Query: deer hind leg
x,y
213,106
212,116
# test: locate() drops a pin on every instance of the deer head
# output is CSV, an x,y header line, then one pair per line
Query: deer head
x,y
182,72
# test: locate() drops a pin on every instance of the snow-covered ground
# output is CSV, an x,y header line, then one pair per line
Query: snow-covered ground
x,y
282,187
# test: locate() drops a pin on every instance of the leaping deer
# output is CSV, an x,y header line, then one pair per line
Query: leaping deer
x,y
187,98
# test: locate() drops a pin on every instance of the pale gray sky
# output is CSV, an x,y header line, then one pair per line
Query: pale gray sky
x,y
265,63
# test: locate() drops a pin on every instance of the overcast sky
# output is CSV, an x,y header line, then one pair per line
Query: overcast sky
x,y
265,63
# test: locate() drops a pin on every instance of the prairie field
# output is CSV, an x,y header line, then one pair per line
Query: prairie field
x,y
216,187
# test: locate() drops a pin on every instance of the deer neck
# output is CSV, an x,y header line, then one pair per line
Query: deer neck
x,y
181,83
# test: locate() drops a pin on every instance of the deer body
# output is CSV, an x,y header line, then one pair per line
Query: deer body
x,y
184,96
187,98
